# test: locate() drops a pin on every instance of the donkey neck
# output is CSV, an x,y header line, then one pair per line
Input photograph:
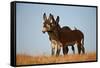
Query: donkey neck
x,y
58,28
53,35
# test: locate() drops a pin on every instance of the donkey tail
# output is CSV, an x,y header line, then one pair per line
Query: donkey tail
x,y
83,41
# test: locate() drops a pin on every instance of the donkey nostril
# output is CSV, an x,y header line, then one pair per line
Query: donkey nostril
x,y
43,31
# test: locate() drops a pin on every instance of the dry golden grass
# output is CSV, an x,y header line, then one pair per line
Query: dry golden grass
x,y
26,60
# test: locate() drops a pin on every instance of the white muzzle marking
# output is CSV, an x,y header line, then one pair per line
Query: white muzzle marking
x,y
44,29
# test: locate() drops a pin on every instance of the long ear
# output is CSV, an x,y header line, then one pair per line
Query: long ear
x,y
57,19
50,16
44,16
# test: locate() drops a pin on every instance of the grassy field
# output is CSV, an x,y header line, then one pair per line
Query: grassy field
x,y
25,59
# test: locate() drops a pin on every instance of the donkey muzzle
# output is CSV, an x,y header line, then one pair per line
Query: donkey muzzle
x,y
44,30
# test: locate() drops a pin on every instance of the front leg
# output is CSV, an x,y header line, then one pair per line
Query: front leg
x,y
58,50
53,48
52,51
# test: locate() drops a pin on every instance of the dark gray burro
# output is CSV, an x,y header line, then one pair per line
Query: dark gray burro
x,y
62,37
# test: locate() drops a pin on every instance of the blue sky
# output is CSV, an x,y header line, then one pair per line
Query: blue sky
x,y
29,22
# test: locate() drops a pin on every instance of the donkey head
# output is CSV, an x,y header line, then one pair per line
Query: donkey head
x,y
49,23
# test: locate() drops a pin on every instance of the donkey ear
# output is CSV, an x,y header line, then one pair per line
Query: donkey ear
x,y
57,19
50,16
44,16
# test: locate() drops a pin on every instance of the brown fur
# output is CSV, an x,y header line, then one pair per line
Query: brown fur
x,y
64,35
67,37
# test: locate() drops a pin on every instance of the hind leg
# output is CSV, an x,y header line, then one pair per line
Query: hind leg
x,y
83,50
73,49
79,49
65,50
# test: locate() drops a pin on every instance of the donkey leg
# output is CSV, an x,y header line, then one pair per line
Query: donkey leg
x,y
58,51
58,48
73,49
79,49
65,50
53,51
83,50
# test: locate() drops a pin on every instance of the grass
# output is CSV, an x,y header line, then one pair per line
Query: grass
x,y
27,60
